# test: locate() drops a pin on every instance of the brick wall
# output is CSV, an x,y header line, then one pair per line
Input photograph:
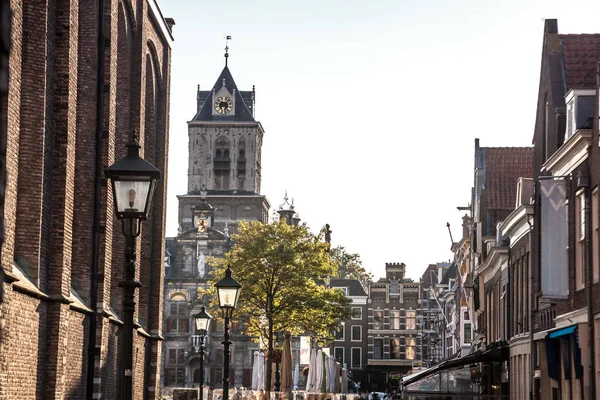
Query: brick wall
x,y
48,251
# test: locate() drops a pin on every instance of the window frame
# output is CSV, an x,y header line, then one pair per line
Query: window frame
x,y
580,232
413,347
352,333
343,354
352,365
376,322
378,340
394,316
353,315
343,331
413,318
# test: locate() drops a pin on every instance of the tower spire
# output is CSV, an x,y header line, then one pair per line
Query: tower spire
x,y
227,39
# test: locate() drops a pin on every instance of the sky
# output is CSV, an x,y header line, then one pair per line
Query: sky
x,y
370,108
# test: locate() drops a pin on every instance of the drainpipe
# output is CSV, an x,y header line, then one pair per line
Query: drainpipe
x,y
583,181
99,176
530,310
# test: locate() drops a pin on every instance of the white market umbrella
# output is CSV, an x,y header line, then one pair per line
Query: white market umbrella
x,y
318,382
329,373
255,371
261,371
312,365
296,376
336,381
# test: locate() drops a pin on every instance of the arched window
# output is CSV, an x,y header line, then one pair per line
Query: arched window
x,y
222,163
178,314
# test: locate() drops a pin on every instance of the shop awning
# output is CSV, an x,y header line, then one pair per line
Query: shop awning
x,y
562,332
498,353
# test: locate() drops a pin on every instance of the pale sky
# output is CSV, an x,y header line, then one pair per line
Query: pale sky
x,y
370,108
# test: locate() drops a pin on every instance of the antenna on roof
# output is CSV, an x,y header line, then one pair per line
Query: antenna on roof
x,y
227,39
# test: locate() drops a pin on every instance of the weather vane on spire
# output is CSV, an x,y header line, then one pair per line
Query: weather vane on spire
x,y
227,39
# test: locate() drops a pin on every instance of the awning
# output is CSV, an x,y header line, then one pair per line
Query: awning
x,y
562,332
498,353
556,345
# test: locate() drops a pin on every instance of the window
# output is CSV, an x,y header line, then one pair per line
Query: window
x,y
339,335
356,358
343,290
411,316
356,333
580,241
595,237
175,368
178,321
467,334
394,287
377,349
356,313
410,348
338,353
395,349
378,319
394,320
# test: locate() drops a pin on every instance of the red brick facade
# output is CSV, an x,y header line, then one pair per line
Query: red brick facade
x,y
53,345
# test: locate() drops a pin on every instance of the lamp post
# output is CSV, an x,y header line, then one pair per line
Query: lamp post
x,y
133,181
202,323
228,290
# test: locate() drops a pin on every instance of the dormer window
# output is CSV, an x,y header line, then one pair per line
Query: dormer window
x,y
580,110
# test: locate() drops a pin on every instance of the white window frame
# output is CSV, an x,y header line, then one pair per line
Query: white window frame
x,y
382,348
396,316
343,334
343,354
352,333
352,366
352,313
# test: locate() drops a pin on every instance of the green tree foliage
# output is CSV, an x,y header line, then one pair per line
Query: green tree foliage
x,y
282,270
349,266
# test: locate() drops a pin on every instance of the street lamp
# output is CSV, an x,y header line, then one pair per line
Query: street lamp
x,y
133,182
202,323
228,290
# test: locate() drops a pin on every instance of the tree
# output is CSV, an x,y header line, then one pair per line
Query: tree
x,y
349,266
282,270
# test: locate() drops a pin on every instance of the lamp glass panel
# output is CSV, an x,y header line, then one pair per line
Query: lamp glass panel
x,y
227,297
202,324
132,195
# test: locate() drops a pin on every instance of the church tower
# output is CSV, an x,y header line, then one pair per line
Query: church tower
x,y
225,140
225,144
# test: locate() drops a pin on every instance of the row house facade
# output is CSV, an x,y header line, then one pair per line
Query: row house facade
x,y
81,79
436,281
393,333
350,343
565,243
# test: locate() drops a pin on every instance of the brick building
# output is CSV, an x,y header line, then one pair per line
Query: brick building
x,y
565,270
350,344
63,249
224,179
393,335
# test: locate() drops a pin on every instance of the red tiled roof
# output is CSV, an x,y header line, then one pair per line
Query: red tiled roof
x,y
503,167
580,56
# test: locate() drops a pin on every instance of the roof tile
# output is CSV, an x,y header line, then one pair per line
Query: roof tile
x,y
580,57
504,166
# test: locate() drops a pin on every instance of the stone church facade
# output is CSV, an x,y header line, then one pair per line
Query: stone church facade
x,y
224,177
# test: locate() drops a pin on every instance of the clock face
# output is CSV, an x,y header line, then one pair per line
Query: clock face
x,y
223,105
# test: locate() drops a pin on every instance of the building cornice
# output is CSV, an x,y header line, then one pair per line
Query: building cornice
x,y
158,18
515,225
571,154
227,123
495,259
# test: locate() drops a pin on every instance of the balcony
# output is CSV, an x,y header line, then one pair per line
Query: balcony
x,y
390,362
